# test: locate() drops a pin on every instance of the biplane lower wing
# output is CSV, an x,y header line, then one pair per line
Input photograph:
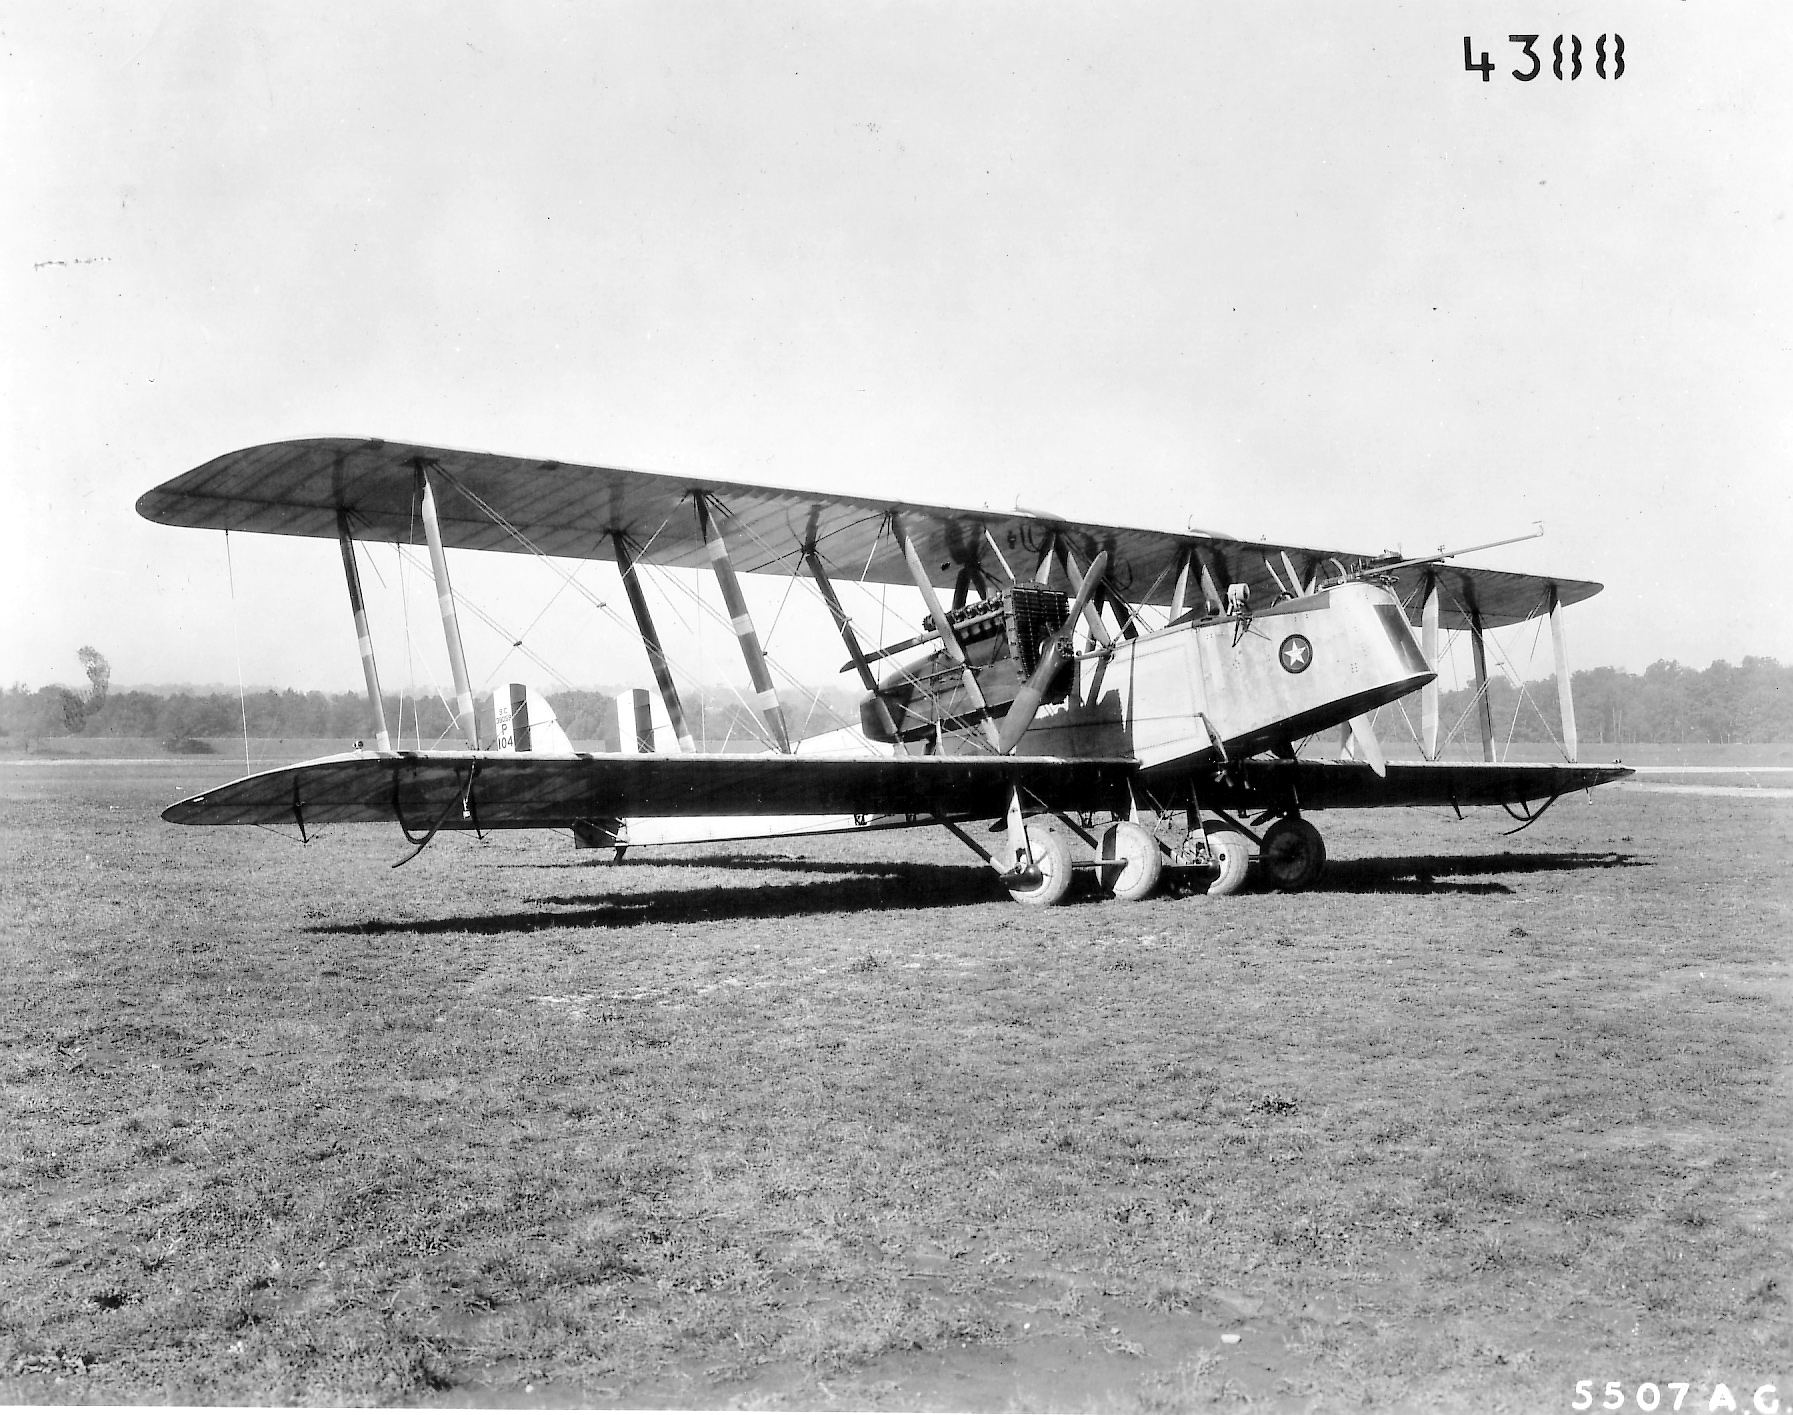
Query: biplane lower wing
x,y
1272,783
511,791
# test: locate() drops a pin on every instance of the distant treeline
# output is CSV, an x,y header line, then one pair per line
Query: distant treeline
x,y
1749,702
588,715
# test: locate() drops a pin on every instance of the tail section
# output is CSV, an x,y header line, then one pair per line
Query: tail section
x,y
526,723
643,727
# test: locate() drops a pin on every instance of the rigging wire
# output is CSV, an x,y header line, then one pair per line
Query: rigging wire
x,y
1524,694
750,718
525,541
515,641
404,557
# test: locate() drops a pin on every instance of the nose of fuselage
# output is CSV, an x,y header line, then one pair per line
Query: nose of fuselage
x,y
1306,664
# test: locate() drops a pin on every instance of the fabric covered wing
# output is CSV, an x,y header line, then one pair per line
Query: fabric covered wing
x,y
511,791
567,509
1319,786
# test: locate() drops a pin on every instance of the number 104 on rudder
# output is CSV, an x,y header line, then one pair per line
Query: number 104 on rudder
x,y
1565,56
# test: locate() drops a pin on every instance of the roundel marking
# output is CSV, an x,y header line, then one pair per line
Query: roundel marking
x,y
1295,654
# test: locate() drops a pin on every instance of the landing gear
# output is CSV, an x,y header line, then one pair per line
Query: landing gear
x,y
1231,854
1052,860
1130,861
1292,855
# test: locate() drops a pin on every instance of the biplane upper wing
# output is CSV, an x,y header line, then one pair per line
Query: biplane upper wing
x,y
511,791
520,504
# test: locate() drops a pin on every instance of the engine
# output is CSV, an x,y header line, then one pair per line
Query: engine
x,y
1003,639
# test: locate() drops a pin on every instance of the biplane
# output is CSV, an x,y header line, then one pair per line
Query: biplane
x,y
1071,688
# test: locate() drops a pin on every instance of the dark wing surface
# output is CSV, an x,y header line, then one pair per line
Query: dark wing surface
x,y
519,504
1323,785
514,791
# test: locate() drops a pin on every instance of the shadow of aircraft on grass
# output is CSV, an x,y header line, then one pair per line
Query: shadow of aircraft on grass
x,y
1457,874
786,864
878,887
838,887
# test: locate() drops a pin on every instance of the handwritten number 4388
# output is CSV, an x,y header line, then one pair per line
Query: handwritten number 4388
x,y
1526,43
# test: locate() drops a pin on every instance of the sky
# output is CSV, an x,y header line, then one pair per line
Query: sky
x,y
1286,270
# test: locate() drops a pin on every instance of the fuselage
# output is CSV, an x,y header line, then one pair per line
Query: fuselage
x,y
1225,687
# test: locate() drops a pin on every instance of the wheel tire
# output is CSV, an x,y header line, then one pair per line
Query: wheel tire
x,y
1232,856
1292,855
1131,861
1052,857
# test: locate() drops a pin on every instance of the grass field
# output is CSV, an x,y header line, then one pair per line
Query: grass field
x,y
1478,1119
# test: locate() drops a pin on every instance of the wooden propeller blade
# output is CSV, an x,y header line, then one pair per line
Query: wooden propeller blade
x,y
1363,738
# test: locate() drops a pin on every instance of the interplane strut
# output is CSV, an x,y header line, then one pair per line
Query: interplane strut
x,y
765,694
451,625
363,636
650,639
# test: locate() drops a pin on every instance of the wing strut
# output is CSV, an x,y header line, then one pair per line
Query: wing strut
x,y
1019,848
370,670
451,626
1428,647
1484,709
1026,704
765,696
1565,698
943,629
851,640
650,640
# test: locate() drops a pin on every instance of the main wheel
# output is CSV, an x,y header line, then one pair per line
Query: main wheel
x,y
1292,855
1052,858
1232,856
1131,862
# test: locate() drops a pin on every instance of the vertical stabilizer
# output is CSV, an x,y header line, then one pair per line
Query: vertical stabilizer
x,y
634,722
526,723
643,724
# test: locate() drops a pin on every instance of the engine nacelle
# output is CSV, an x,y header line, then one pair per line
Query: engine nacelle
x,y
1002,638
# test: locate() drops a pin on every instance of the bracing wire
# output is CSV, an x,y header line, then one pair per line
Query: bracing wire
x,y
514,640
404,558
1523,693
705,610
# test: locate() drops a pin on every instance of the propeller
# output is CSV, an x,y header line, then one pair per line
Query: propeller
x,y
1360,739
1026,705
